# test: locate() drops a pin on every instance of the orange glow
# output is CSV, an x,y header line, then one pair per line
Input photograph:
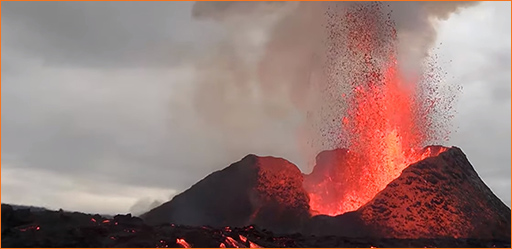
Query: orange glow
x,y
253,245
233,243
385,140
183,243
385,121
242,238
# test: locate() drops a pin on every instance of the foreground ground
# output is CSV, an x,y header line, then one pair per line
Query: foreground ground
x,y
23,228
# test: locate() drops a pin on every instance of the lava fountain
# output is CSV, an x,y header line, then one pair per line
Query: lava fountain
x,y
385,123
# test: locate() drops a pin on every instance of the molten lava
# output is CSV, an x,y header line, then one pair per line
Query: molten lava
x,y
233,243
385,121
183,243
253,245
242,238
243,243
30,228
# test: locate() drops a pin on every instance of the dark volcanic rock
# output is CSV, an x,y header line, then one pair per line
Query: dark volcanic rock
x,y
265,191
11,217
347,225
49,230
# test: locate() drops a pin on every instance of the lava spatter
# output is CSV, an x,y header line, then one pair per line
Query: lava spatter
x,y
384,120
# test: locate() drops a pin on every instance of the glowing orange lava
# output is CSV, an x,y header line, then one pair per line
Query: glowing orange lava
x,y
385,141
242,238
233,243
183,243
384,120
253,245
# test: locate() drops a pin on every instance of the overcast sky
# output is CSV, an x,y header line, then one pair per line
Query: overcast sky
x,y
96,114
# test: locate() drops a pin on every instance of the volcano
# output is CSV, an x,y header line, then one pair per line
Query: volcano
x,y
440,196
439,201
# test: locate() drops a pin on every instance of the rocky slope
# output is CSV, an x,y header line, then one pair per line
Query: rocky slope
x,y
264,191
440,196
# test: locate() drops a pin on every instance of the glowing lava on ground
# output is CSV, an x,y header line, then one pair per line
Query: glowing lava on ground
x,y
385,121
183,243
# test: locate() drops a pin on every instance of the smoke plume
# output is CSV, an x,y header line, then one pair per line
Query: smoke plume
x,y
260,88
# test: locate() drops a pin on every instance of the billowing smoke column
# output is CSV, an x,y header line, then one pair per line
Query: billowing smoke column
x,y
340,75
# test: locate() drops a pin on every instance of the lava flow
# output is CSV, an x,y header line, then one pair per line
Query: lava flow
x,y
183,243
385,120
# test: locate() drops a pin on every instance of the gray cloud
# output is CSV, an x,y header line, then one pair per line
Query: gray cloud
x,y
480,62
75,193
221,11
184,95
105,34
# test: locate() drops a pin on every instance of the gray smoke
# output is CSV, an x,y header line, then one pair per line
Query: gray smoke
x,y
416,27
144,204
255,88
